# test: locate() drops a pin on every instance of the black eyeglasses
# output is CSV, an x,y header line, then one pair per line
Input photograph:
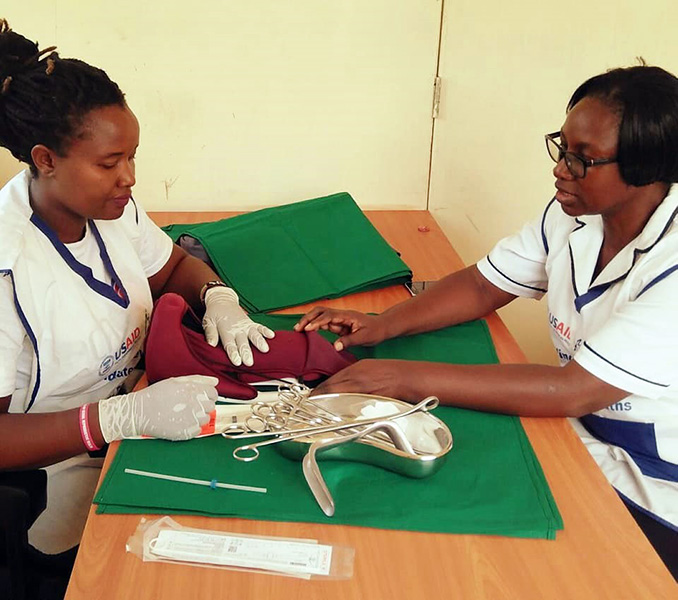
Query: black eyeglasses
x,y
575,163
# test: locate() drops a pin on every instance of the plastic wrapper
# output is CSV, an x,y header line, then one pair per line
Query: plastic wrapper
x,y
165,540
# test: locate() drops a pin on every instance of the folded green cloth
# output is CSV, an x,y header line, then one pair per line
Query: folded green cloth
x,y
296,253
490,482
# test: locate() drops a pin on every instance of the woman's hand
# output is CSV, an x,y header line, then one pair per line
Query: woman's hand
x,y
172,409
225,320
369,376
354,328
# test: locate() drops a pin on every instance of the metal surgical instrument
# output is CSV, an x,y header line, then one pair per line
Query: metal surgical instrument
x,y
312,472
250,452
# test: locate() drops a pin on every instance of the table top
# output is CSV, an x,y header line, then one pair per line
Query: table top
x,y
601,553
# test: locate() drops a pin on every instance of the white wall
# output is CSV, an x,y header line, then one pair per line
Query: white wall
x,y
248,104
508,70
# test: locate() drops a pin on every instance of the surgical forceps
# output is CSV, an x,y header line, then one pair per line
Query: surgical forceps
x,y
250,452
292,408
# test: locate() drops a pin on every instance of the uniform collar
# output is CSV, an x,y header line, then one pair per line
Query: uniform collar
x,y
586,239
114,291
15,213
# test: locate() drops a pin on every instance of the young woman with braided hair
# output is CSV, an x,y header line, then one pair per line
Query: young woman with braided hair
x,y
80,266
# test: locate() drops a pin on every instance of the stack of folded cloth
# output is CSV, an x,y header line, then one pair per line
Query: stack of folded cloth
x,y
297,253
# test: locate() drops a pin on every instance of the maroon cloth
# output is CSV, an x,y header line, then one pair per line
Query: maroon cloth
x,y
176,345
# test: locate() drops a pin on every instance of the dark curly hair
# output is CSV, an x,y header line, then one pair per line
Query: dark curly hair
x,y
646,99
44,98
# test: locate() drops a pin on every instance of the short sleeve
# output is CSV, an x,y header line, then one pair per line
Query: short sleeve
x,y
649,322
12,336
517,264
152,244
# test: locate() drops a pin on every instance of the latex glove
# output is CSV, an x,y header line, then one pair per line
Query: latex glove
x,y
225,320
173,409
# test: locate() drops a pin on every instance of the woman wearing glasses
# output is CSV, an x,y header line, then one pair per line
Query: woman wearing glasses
x,y
606,250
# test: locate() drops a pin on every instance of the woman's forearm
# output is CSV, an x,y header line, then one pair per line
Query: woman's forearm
x,y
31,441
184,275
28,441
525,390
459,297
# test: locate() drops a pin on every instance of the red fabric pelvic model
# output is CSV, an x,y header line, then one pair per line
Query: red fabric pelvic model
x,y
176,345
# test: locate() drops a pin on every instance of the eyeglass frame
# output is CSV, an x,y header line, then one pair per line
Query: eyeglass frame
x,y
563,154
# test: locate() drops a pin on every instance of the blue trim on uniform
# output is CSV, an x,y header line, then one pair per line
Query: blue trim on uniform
x,y
629,435
639,508
31,337
101,288
639,251
572,279
136,210
637,439
657,279
543,225
581,224
624,370
109,266
513,280
581,301
667,225
595,292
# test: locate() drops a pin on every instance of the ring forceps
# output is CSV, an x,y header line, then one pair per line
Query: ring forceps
x,y
250,452
274,417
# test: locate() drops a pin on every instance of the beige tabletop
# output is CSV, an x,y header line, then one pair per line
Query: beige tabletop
x,y
601,553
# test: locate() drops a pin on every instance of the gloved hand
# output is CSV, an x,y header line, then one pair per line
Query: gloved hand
x,y
173,409
225,320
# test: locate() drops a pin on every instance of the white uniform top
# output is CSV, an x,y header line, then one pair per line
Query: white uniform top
x,y
622,327
73,324
72,332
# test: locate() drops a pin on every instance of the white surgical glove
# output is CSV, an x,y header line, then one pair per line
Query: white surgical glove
x,y
173,409
225,320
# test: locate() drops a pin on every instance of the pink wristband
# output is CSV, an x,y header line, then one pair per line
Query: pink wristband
x,y
85,433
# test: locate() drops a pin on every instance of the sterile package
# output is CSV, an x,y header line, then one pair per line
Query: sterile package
x,y
164,540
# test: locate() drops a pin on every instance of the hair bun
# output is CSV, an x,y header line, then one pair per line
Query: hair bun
x,y
15,51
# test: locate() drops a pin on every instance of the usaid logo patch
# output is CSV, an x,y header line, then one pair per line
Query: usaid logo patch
x,y
110,360
106,365
559,327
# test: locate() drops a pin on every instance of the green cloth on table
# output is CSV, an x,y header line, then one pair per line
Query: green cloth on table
x,y
296,253
490,483
465,344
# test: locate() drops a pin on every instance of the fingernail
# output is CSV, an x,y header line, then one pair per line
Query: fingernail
x,y
338,346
